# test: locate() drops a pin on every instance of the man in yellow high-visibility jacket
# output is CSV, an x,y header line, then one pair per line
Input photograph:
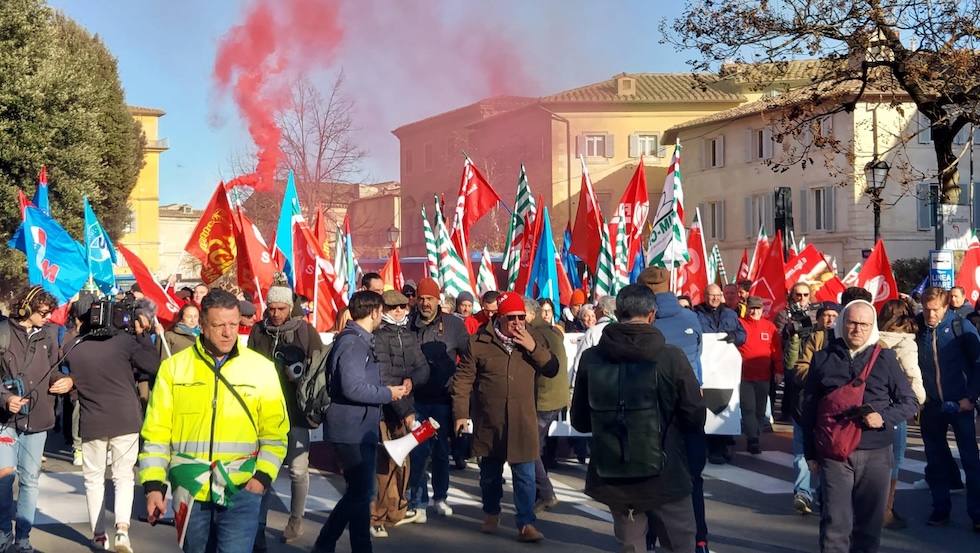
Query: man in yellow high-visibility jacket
x,y
215,429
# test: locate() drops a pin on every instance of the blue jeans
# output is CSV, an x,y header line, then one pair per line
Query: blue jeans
x,y
24,455
898,448
216,529
934,424
492,488
801,470
438,445
353,511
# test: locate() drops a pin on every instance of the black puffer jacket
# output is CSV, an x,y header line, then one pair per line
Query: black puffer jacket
x,y
442,341
400,357
681,411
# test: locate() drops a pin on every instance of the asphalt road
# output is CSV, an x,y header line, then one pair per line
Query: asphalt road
x,y
749,510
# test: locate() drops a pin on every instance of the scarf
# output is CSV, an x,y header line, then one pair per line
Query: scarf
x,y
508,342
184,329
388,319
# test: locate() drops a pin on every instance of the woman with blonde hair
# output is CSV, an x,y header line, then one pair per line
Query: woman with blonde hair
x,y
898,327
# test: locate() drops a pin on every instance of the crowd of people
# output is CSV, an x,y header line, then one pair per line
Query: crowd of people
x,y
210,422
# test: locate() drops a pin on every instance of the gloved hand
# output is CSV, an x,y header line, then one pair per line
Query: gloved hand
x,y
729,338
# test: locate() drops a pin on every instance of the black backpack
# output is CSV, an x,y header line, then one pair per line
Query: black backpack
x,y
627,434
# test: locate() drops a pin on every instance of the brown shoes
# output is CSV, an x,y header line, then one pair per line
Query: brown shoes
x,y
529,535
490,524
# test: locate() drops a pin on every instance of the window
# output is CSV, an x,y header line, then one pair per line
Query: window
x,y
924,130
713,152
759,208
818,210
760,144
604,199
450,147
408,162
713,220
826,126
427,157
130,226
925,194
595,144
645,144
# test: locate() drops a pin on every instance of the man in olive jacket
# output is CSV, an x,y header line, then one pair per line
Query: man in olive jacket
x,y
635,344
499,373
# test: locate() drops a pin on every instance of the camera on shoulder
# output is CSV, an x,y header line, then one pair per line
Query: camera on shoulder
x,y
107,318
800,320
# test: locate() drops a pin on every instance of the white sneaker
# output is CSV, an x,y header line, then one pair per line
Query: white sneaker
x,y
379,532
443,509
100,542
413,515
920,484
122,542
23,545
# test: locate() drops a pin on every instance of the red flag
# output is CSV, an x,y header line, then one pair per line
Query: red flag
x,y
320,230
743,267
255,263
770,284
969,275
693,276
314,277
22,201
391,273
760,253
830,290
876,276
167,307
586,237
213,240
564,283
476,199
636,209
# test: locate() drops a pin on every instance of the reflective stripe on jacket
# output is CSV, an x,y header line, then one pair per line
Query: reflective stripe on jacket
x,y
193,413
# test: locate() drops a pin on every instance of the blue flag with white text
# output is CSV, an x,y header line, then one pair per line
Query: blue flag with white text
x,y
54,259
101,254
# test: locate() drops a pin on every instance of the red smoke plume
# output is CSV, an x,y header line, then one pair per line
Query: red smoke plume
x,y
278,39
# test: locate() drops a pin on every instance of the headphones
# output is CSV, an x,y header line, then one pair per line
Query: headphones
x,y
25,311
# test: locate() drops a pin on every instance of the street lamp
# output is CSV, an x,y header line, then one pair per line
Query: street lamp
x,y
876,173
393,233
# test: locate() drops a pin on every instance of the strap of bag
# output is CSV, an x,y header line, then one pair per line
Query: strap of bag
x,y
863,378
234,392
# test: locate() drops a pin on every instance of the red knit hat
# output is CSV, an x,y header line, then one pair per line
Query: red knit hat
x,y
510,302
578,297
428,287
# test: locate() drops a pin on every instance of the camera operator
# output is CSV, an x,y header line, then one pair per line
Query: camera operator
x,y
103,362
27,400
795,324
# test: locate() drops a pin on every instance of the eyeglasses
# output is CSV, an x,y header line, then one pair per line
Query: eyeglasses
x,y
856,325
512,318
44,313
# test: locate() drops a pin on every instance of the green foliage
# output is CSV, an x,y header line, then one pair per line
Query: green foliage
x,y
909,272
61,105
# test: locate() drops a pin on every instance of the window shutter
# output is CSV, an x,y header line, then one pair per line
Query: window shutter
x,y
827,125
703,209
961,136
749,149
976,136
720,145
580,145
610,146
634,149
830,210
924,211
748,217
656,145
768,217
925,129
767,144
804,211
704,154
720,225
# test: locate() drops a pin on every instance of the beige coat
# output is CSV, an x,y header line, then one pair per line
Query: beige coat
x,y
907,351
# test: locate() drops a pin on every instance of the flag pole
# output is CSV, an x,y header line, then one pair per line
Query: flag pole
x,y
166,346
180,259
316,293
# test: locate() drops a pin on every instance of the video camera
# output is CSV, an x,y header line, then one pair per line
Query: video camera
x,y
801,321
107,317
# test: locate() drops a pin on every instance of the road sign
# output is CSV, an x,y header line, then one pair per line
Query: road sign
x,y
941,268
957,229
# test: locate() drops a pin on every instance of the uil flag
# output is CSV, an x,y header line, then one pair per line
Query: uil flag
x,y
876,276
167,307
544,275
255,264
694,274
761,251
284,230
586,235
770,283
41,196
213,240
101,254
636,209
668,246
54,259
486,281
743,267
969,275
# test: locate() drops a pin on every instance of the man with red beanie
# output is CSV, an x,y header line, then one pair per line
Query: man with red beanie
x,y
762,360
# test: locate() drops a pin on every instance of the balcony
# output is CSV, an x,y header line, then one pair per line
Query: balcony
x,y
158,145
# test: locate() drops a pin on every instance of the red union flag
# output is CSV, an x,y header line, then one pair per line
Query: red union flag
x,y
167,307
693,276
876,277
586,237
807,267
743,267
770,283
255,263
830,290
213,240
636,209
969,275
476,199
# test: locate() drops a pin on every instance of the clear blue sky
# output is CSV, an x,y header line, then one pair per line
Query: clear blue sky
x,y
166,52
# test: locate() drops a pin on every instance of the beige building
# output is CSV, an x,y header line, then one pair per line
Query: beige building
x,y
142,233
374,220
177,222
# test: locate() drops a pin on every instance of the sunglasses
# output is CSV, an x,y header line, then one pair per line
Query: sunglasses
x,y
512,318
400,306
803,295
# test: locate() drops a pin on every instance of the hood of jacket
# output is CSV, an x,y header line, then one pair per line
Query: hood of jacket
x,y
631,342
668,306
897,339
873,336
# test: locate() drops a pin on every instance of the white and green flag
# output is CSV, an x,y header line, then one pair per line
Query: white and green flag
x,y
523,206
668,242
453,274
604,278
621,273
431,252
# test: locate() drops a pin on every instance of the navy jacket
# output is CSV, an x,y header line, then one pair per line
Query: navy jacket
x,y
959,359
720,319
356,393
443,341
887,391
681,328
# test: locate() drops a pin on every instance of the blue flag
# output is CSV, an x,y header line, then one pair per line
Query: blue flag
x,y
544,272
638,266
54,259
922,286
40,200
284,231
569,261
101,255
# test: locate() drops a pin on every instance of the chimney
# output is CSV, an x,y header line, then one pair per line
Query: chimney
x,y
625,85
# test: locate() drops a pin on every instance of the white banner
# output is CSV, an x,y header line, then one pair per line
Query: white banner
x,y
721,373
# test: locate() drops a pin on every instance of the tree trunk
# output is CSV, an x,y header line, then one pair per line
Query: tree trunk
x,y
948,170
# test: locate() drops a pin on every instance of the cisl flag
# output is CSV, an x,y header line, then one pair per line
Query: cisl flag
x,y
770,282
969,275
876,277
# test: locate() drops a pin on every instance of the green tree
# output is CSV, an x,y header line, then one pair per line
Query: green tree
x,y
927,50
61,105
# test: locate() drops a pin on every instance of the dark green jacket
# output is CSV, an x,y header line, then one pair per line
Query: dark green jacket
x,y
552,393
